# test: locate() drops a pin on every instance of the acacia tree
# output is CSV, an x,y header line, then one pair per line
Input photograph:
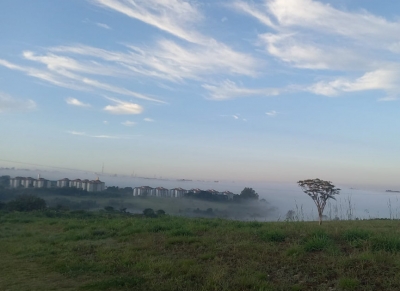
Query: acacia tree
x,y
319,191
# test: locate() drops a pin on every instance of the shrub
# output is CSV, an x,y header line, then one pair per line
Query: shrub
x,y
160,212
148,212
109,208
27,203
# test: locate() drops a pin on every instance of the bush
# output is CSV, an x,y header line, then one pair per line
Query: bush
x,y
109,208
27,203
148,212
160,212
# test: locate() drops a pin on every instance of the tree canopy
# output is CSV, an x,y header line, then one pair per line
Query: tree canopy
x,y
248,193
319,191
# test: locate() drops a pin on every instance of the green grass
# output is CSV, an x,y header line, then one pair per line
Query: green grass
x,y
111,251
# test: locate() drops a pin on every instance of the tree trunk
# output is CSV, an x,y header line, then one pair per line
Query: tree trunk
x,y
320,217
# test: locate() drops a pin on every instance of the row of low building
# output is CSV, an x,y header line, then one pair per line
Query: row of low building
x,y
97,186
28,182
175,193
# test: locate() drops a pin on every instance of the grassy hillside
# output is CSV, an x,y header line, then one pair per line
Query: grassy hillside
x,y
110,251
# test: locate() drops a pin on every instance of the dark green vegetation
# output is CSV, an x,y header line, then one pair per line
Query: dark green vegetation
x,y
111,250
249,193
245,195
121,199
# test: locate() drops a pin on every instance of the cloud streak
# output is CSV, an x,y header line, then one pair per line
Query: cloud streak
x,y
229,90
171,16
61,71
272,113
312,35
128,123
76,102
10,104
122,107
102,136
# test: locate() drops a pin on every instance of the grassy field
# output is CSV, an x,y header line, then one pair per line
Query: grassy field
x,y
111,251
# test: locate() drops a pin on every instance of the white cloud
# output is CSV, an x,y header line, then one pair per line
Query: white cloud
x,y
128,123
313,35
382,79
295,50
388,98
271,113
60,72
235,116
79,133
103,25
148,119
172,61
122,107
65,65
257,11
229,90
11,104
323,18
172,16
105,122
76,102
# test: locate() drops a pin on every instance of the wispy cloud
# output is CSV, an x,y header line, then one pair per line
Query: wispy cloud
x,y
103,25
76,102
234,116
310,34
171,61
122,107
80,133
148,119
229,90
171,16
323,18
294,50
383,79
272,113
11,104
66,72
128,123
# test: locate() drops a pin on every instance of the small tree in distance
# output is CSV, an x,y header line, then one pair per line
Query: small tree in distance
x,y
248,193
319,191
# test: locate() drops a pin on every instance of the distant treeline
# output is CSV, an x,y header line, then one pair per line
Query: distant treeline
x,y
246,195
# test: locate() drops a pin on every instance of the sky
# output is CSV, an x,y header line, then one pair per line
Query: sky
x,y
266,90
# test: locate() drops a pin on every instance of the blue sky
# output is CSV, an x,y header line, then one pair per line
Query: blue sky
x,y
269,90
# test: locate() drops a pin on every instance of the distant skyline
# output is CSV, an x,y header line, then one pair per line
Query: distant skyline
x,y
267,90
